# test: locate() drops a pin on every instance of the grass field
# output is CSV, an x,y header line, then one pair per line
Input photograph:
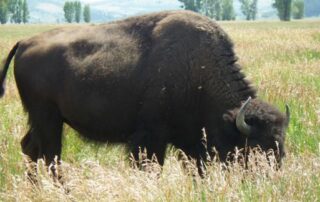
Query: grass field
x,y
283,62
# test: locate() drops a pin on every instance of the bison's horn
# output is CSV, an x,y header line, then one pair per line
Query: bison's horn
x,y
242,126
288,113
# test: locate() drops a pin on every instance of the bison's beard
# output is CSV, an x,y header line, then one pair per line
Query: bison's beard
x,y
248,157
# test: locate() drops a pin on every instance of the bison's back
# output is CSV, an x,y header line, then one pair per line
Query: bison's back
x,y
104,78
86,73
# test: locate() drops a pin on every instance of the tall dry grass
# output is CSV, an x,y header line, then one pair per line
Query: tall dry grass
x,y
90,180
282,60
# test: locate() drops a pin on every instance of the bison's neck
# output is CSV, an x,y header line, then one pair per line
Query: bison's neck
x,y
227,88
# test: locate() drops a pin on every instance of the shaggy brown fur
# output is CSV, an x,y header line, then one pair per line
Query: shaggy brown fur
x,y
145,81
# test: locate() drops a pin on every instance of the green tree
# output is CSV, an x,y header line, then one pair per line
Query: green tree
x,y
12,4
249,8
77,8
227,10
16,10
69,11
86,13
17,13
284,9
25,12
212,8
298,9
12,10
3,12
193,5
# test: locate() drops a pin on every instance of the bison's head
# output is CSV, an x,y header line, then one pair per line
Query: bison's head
x,y
255,124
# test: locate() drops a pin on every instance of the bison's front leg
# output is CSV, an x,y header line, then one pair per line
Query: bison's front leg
x,y
198,152
152,130
148,145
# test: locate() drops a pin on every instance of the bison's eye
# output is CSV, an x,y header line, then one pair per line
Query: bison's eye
x,y
250,121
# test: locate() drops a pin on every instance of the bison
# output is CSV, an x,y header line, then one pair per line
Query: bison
x,y
146,81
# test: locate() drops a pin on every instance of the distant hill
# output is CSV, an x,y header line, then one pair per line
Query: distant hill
x,y
51,11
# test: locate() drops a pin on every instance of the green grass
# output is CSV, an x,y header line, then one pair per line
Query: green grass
x,y
283,62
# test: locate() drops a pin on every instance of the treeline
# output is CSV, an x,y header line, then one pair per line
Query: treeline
x,y
73,12
15,11
223,9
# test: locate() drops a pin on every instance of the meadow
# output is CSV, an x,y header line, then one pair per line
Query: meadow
x,y
282,59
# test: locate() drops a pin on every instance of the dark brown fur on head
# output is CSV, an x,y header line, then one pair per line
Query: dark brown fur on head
x,y
267,124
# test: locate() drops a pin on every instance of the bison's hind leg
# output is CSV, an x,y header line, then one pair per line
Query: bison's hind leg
x,y
30,148
43,139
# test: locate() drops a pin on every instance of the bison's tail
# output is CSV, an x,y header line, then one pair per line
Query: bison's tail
x,y
4,71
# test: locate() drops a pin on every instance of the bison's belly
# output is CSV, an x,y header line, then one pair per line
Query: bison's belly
x,y
98,116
